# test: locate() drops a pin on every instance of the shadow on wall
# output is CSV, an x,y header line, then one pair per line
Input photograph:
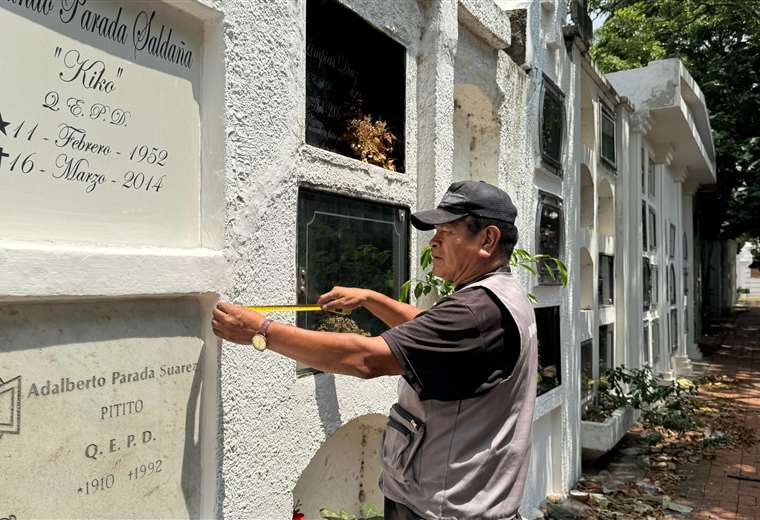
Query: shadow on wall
x,y
344,472
191,466
327,403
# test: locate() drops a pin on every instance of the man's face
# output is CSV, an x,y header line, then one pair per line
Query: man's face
x,y
454,250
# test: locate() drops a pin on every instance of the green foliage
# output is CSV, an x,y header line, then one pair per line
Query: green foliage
x,y
367,512
430,283
719,42
520,259
668,405
626,41
554,266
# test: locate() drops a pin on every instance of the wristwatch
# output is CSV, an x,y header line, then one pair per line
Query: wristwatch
x,y
259,340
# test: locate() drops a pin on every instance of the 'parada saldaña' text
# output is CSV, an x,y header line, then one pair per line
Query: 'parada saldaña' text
x,y
68,385
145,33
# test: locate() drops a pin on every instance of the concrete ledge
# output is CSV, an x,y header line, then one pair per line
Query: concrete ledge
x,y
607,314
548,402
599,438
41,271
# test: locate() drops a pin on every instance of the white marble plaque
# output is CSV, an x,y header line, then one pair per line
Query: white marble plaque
x,y
99,410
100,122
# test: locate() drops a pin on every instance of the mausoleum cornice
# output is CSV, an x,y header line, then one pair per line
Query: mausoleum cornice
x,y
486,20
676,105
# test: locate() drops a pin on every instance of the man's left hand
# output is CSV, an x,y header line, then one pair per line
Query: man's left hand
x,y
234,323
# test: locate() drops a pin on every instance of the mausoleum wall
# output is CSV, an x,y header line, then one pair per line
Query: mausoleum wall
x,y
273,423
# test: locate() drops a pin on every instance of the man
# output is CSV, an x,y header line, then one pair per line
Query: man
x,y
457,441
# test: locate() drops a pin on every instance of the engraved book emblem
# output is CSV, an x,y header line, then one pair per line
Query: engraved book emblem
x,y
10,406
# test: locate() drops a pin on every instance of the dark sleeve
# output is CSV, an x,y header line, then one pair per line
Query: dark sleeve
x,y
459,349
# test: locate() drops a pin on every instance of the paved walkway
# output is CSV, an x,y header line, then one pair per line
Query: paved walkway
x,y
714,490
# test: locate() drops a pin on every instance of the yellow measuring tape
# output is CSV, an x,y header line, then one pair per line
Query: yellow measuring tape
x,y
294,308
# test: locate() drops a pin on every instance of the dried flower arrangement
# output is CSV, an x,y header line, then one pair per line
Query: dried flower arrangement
x,y
340,324
372,142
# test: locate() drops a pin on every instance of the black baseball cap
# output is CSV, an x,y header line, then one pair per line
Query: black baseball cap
x,y
476,198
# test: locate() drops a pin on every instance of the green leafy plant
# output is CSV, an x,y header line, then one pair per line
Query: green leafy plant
x,y
367,512
430,283
521,259
669,405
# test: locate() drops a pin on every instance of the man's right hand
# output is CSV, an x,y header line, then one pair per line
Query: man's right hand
x,y
343,298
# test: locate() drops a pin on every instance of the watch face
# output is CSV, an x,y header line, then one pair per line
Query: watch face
x,y
259,342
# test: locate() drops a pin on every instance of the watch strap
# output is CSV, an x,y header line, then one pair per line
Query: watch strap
x,y
264,328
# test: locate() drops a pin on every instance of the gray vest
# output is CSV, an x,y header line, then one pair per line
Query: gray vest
x,y
467,459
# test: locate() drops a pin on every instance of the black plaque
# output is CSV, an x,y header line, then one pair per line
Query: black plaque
x,y
351,69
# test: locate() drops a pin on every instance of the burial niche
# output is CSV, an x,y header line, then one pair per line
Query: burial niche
x,y
351,243
587,198
355,86
549,348
587,280
344,472
606,209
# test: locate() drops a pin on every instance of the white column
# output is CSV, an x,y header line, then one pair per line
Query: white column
x,y
689,189
640,126
663,155
681,361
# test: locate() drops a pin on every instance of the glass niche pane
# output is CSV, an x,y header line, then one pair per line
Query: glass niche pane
x,y
643,172
656,341
549,348
644,238
587,368
606,347
672,241
356,93
652,229
673,329
606,280
671,285
352,243
550,236
552,125
646,284
650,181
608,136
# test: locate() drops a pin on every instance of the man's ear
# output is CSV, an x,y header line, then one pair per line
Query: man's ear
x,y
490,241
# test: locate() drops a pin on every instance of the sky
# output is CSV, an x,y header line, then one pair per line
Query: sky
x,y
599,20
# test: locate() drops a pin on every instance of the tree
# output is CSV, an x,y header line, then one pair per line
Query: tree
x,y
719,42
